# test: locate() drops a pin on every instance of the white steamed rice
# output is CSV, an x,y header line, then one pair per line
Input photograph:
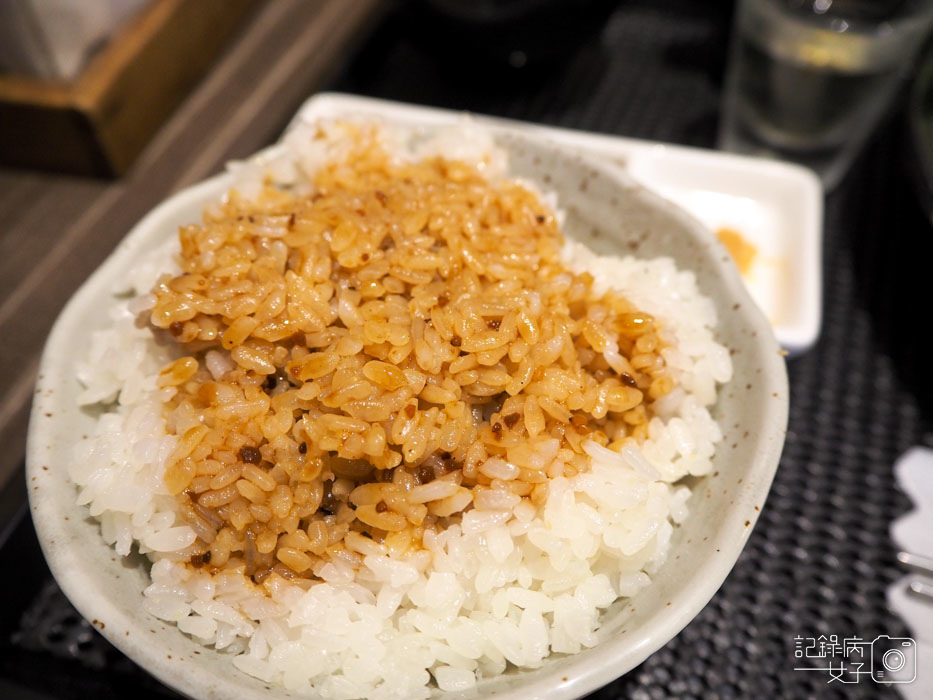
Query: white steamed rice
x,y
500,589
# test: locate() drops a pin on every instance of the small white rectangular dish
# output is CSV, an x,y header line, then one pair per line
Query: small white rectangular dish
x,y
776,207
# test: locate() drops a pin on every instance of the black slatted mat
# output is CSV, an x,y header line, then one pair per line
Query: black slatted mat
x,y
820,557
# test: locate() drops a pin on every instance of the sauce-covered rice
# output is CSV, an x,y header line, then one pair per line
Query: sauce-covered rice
x,y
382,421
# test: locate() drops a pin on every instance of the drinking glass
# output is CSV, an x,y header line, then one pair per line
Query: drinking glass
x,y
808,80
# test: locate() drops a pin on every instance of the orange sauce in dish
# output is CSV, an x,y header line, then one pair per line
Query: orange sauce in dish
x,y
742,252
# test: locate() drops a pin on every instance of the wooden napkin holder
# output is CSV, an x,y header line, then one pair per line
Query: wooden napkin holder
x,y
98,124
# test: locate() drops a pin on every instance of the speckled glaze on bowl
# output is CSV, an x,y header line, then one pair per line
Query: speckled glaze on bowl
x,y
606,210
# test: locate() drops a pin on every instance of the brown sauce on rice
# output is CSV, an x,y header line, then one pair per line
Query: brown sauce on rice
x,y
399,345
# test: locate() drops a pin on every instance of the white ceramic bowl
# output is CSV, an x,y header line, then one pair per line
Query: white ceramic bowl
x,y
611,213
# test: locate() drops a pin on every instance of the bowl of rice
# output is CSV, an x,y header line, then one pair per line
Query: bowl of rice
x,y
403,413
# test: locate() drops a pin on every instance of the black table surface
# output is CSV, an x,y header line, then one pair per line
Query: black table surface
x,y
820,557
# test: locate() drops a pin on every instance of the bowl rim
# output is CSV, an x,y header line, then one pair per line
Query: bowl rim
x,y
611,658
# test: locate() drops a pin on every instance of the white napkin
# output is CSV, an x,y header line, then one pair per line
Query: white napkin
x,y
913,533
53,38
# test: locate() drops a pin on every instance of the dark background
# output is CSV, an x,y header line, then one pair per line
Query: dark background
x,y
820,558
